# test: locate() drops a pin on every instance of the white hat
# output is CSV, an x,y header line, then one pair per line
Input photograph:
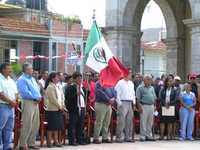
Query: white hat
x,y
177,78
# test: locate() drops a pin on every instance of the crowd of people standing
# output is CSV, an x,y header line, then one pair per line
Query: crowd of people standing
x,y
69,96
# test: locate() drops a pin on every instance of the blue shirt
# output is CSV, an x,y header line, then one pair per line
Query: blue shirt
x,y
103,95
188,98
28,88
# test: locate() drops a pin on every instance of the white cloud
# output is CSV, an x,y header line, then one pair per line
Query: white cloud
x,y
82,8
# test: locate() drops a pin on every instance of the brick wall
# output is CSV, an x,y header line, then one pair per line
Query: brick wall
x,y
75,30
61,61
61,29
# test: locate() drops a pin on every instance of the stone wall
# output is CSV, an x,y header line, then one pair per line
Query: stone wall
x,y
123,32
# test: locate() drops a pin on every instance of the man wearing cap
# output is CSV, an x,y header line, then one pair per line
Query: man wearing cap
x,y
30,93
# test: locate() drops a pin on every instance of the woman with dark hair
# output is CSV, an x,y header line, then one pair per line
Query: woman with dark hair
x,y
167,98
55,107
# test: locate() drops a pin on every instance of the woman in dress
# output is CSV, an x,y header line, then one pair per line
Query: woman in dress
x,y
167,98
55,108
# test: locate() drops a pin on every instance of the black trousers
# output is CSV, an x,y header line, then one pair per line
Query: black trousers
x,y
76,127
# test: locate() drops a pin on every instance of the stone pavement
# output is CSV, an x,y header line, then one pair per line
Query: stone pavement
x,y
158,145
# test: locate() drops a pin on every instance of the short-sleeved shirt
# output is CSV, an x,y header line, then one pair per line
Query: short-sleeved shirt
x,y
8,87
146,95
188,98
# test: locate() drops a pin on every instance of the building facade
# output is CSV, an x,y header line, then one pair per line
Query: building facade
x,y
27,33
123,22
153,58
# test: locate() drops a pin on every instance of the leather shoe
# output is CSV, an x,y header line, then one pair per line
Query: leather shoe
x,y
106,141
49,145
118,140
142,140
73,144
96,141
33,147
57,145
23,148
150,139
130,141
82,143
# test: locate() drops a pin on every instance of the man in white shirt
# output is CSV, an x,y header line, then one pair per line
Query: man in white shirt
x,y
125,101
43,79
8,93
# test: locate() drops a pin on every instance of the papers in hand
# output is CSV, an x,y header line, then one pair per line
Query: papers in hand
x,y
168,112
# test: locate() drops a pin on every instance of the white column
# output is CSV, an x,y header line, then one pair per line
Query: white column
x,y
124,42
50,55
194,25
172,45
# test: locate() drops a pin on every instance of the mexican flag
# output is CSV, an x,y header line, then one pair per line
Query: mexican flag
x,y
100,58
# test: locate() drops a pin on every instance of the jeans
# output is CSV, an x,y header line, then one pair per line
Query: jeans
x,y
187,122
6,126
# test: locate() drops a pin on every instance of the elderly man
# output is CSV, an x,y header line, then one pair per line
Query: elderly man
x,y
125,101
145,99
8,93
30,93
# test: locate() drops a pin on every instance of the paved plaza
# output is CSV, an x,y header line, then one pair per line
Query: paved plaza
x,y
158,145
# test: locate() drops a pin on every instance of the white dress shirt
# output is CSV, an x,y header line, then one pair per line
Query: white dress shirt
x,y
8,87
125,91
81,101
42,82
168,93
59,95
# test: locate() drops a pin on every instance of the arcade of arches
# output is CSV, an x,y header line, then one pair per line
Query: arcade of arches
x,y
182,17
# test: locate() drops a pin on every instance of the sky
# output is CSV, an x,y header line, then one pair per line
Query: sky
x,y
84,9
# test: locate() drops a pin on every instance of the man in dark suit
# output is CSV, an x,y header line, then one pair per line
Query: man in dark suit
x,y
75,103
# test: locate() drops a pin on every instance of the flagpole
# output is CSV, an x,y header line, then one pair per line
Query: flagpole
x,y
87,89
87,79
94,15
94,21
